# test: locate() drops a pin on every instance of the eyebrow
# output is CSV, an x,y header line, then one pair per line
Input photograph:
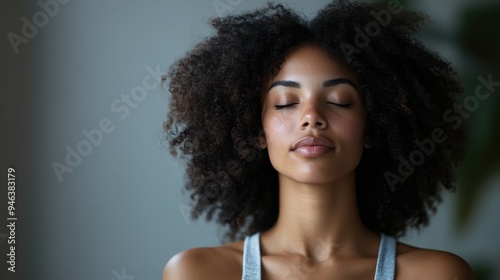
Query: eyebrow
x,y
334,82
291,84
328,83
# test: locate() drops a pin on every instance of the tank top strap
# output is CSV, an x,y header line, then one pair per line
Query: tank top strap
x,y
251,258
386,261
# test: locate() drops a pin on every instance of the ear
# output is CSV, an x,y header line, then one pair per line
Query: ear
x,y
262,140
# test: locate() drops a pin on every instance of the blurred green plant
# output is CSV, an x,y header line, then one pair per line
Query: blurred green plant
x,y
479,39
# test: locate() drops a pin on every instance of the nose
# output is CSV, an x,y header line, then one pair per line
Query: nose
x,y
314,124
312,118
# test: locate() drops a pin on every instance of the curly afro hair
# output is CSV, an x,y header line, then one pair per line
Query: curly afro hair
x,y
214,119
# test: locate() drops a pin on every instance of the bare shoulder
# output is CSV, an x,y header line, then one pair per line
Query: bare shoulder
x,y
418,263
222,262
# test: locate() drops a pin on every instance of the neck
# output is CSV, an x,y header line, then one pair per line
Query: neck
x,y
320,220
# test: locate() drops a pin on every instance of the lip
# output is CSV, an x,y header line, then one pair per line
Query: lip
x,y
310,146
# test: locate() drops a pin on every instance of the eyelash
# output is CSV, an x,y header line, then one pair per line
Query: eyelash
x,y
291,104
284,106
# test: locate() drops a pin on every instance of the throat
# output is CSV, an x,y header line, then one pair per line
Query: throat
x,y
319,221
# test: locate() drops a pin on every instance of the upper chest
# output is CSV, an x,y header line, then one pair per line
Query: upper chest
x,y
292,268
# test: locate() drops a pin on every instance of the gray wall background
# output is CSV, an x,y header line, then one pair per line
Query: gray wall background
x,y
117,215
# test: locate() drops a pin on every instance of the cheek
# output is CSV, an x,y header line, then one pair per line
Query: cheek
x,y
352,129
276,128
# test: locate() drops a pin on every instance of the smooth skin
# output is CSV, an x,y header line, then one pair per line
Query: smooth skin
x,y
318,234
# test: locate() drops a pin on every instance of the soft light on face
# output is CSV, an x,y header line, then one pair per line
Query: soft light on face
x,y
313,118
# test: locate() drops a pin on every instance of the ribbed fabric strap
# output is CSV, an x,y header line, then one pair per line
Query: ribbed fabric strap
x,y
386,261
251,258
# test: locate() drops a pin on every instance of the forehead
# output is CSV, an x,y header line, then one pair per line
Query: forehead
x,y
311,62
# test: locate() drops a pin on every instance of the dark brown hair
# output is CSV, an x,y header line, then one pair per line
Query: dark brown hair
x,y
215,107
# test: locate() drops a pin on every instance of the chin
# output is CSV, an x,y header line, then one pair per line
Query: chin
x,y
315,178
319,176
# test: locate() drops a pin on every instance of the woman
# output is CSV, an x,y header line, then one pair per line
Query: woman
x,y
301,135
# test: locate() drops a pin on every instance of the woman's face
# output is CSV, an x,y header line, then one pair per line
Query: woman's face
x,y
313,118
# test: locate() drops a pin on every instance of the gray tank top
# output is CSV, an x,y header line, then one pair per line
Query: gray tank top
x,y
386,261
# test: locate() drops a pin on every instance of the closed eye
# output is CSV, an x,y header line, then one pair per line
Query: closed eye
x,y
284,106
342,105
